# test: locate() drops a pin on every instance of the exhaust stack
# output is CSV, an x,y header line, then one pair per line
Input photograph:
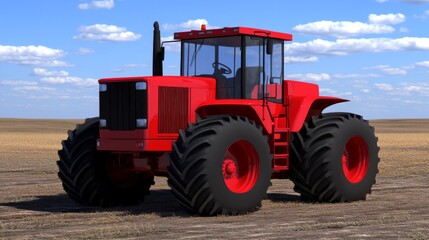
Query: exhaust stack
x,y
158,51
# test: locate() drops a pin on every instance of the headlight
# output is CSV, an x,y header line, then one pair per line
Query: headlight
x,y
141,122
103,123
141,86
103,87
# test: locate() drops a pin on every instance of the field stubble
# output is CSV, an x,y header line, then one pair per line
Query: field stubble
x,y
33,204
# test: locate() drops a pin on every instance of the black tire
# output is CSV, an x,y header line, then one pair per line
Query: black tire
x,y
317,156
83,171
197,167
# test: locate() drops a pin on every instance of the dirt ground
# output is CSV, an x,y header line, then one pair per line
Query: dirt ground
x,y
33,203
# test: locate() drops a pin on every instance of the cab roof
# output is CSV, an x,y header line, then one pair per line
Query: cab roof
x,y
231,31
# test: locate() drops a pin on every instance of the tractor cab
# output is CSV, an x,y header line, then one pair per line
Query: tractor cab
x,y
247,63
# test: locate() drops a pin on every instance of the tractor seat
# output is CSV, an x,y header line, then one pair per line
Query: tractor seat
x,y
252,79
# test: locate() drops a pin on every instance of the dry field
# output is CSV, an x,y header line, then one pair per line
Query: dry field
x,y
33,204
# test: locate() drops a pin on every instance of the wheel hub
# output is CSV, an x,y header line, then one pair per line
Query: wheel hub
x,y
240,167
229,168
355,159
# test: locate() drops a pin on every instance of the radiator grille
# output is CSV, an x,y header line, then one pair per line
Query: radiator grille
x,y
122,104
173,109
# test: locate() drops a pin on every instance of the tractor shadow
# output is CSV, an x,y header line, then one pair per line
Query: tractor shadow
x,y
159,202
283,197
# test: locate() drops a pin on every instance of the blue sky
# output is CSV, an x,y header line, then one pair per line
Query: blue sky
x,y
373,52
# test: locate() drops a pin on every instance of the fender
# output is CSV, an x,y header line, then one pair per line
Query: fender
x,y
303,102
252,109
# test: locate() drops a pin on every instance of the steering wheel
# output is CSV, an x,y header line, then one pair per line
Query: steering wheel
x,y
224,70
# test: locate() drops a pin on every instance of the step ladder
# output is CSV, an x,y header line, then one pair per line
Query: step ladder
x,y
281,149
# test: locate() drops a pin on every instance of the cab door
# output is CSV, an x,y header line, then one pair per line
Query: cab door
x,y
273,81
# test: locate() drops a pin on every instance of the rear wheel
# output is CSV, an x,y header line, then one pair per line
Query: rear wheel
x,y
93,177
334,158
221,165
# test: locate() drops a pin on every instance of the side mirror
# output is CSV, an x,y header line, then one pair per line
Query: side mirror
x,y
269,46
162,53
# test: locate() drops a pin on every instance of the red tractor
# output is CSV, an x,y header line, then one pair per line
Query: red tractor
x,y
220,131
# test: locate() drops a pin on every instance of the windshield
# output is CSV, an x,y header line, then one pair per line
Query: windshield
x,y
219,58
247,72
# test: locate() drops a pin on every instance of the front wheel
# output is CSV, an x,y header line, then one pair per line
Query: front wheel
x,y
91,177
334,158
221,165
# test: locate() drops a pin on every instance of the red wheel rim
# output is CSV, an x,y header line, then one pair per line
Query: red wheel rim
x,y
355,159
240,167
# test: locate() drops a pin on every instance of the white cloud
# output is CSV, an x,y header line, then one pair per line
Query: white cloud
x,y
97,4
412,102
188,25
136,65
405,89
327,91
342,29
354,75
390,70
85,51
53,63
424,16
423,64
71,80
394,71
361,85
88,82
32,55
46,73
292,59
408,67
384,86
403,30
49,92
106,33
386,18
416,1
18,83
33,89
331,92
309,76
61,80
415,89
347,46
